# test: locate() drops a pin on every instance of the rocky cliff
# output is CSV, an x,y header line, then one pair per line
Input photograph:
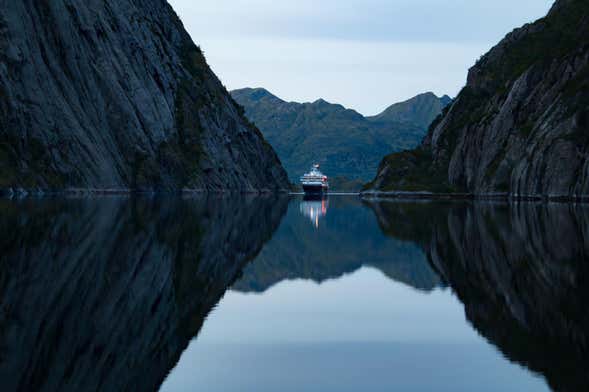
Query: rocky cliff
x,y
521,124
114,95
342,140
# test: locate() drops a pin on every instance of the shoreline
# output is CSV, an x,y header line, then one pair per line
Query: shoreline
x,y
505,197
21,193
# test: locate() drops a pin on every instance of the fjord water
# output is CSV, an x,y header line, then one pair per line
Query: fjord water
x,y
279,294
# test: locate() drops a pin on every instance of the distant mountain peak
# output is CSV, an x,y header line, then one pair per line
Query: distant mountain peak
x,y
254,94
252,90
421,109
426,94
346,143
321,101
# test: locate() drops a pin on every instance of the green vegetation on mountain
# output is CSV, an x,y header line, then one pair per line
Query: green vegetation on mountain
x,y
420,110
345,143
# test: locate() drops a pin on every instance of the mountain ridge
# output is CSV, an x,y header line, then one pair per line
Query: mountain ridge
x,y
262,92
413,110
345,143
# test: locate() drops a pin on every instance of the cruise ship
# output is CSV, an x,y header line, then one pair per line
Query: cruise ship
x,y
314,182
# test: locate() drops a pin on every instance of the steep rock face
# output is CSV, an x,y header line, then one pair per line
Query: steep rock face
x,y
115,95
521,124
105,294
343,141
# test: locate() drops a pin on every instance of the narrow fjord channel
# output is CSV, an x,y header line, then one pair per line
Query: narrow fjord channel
x,y
278,293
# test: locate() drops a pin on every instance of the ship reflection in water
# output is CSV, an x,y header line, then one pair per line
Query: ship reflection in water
x,y
314,207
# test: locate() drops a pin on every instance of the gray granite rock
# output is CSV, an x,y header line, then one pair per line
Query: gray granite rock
x,y
520,125
114,95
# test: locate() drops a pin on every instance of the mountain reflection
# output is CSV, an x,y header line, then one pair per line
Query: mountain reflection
x,y
521,272
106,294
348,239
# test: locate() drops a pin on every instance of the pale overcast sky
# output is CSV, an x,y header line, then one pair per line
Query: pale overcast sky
x,y
364,54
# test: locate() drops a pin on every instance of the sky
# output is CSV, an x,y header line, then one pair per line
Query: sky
x,y
363,54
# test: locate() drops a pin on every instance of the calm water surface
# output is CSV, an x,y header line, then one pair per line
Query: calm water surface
x,y
286,294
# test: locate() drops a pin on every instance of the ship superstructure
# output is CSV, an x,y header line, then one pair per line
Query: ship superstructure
x,y
314,182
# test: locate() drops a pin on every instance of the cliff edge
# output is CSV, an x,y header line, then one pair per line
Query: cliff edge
x,y
520,127
114,95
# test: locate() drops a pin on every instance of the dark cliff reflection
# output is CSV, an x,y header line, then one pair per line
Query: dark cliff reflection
x,y
521,271
346,240
106,294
